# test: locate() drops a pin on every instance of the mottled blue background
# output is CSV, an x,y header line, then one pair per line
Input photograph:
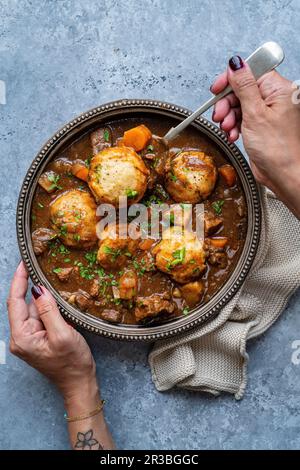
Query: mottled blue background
x,y
59,58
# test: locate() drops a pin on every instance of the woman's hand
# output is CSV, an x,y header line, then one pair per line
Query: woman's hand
x,y
41,337
269,122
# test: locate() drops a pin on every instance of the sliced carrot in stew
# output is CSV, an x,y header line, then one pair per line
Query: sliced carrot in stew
x,y
146,244
218,242
80,170
229,174
137,137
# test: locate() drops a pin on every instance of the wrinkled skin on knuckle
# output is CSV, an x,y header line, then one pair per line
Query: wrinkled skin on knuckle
x,y
243,82
45,307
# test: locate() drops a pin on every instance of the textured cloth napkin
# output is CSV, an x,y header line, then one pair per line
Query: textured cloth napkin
x,y
213,357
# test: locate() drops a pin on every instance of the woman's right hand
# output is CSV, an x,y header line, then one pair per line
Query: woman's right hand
x,y
269,120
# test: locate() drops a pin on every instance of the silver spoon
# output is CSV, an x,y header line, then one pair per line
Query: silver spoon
x,y
266,58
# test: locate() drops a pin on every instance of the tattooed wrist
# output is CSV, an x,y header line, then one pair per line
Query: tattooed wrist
x,y
86,441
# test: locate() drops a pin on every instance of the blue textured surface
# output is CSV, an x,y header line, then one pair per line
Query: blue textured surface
x,y
59,58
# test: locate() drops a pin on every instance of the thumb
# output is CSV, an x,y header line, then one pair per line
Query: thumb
x,y
244,85
48,311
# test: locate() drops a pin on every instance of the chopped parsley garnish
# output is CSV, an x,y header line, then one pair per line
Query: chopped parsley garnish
x,y
88,161
77,215
150,148
100,272
91,257
139,268
178,256
57,270
186,311
85,272
41,206
217,206
106,135
63,250
114,252
54,179
173,177
76,237
153,199
67,260
172,218
63,230
131,193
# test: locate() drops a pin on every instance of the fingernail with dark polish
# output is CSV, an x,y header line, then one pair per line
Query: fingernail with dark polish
x,y
36,291
213,115
236,63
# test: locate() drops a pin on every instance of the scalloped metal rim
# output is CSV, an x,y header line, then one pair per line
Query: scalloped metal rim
x,y
196,317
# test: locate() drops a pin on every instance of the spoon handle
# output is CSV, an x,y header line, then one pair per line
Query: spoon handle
x,y
266,58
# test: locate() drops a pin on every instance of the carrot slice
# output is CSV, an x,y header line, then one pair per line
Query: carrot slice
x,y
137,137
146,244
229,174
218,242
80,170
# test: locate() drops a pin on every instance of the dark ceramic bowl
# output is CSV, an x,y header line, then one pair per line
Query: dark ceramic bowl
x,y
90,120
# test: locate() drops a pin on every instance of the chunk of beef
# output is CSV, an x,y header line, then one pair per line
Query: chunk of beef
x,y
101,139
212,223
62,165
152,179
152,306
94,291
218,258
40,239
64,274
83,300
66,295
113,316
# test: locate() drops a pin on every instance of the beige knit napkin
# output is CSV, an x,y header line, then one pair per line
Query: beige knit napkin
x,y
213,358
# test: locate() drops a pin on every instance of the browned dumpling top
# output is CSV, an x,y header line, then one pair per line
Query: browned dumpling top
x,y
73,217
180,254
190,176
116,172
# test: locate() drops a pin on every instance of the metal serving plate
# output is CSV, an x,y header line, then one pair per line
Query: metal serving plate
x,y
90,120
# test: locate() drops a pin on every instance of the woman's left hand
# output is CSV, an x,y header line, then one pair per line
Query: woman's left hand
x,y
42,338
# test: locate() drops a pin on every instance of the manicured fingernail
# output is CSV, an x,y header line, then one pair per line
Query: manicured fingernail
x,y
36,291
236,63
213,115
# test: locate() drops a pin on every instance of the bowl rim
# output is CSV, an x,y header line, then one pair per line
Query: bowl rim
x,y
98,116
